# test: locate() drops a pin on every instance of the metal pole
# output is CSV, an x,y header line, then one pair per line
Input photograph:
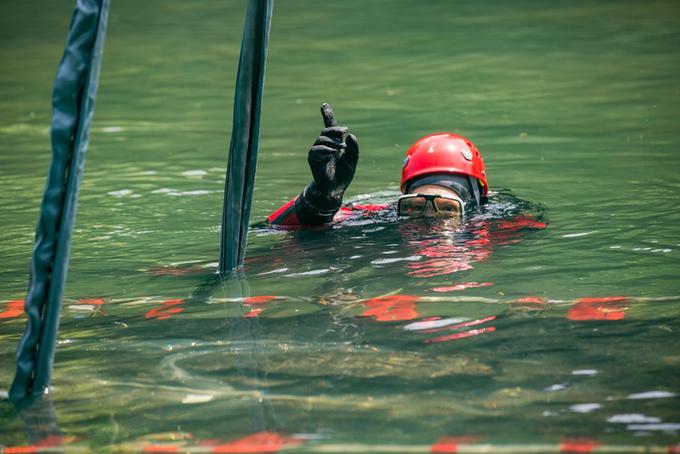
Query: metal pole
x,y
73,98
243,149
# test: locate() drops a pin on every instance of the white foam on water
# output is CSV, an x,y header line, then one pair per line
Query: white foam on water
x,y
664,427
194,173
195,192
556,387
197,398
309,436
278,270
651,395
429,324
585,408
120,193
411,258
177,193
309,273
586,372
112,129
576,235
629,418
81,307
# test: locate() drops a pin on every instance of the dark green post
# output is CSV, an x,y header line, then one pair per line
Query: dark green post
x,y
238,192
73,97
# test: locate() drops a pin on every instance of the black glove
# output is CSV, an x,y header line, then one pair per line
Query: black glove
x,y
333,160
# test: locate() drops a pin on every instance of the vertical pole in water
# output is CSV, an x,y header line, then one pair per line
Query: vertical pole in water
x,y
238,192
73,97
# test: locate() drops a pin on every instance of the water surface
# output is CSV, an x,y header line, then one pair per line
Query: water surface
x,y
380,332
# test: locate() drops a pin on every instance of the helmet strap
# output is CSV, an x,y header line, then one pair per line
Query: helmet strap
x,y
475,190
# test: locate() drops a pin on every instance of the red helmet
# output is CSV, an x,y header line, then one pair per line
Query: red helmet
x,y
444,153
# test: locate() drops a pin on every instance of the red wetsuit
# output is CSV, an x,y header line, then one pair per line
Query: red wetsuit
x,y
285,216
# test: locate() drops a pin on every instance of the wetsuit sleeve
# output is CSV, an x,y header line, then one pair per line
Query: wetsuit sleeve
x,y
304,209
285,215
297,212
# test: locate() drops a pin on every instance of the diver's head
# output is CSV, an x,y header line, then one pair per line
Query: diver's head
x,y
443,175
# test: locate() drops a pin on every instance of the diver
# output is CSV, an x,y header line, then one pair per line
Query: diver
x,y
443,175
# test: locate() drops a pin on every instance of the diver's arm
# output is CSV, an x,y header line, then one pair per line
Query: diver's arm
x,y
285,215
332,160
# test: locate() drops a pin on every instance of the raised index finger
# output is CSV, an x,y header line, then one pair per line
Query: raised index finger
x,y
328,115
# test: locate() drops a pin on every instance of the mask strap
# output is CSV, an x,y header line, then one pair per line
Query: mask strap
x,y
475,190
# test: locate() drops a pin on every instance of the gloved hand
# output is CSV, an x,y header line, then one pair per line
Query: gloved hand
x,y
333,160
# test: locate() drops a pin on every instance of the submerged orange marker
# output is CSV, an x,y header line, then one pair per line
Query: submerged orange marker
x,y
14,309
578,445
260,442
391,308
253,313
601,308
46,444
92,301
161,448
259,299
448,445
252,300
166,310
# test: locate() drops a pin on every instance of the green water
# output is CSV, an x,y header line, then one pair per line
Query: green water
x,y
575,108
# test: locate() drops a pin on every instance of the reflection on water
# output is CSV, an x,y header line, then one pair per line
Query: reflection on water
x,y
424,248
307,366
547,325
